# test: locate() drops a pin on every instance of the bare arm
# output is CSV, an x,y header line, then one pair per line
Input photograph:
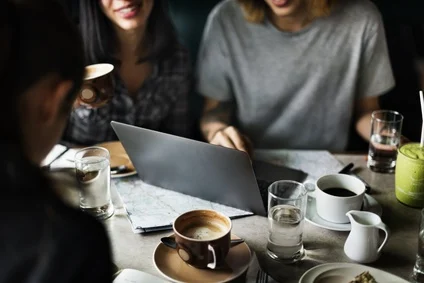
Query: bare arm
x,y
216,126
363,110
216,116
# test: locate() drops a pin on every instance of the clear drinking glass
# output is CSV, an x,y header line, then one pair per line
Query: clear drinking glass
x,y
93,176
286,217
386,127
418,271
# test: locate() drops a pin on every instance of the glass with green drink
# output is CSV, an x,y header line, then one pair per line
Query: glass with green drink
x,y
409,175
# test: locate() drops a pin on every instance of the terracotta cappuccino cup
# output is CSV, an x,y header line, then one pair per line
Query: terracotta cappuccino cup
x,y
97,88
203,238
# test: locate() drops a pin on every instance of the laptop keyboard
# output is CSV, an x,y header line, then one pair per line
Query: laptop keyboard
x,y
263,190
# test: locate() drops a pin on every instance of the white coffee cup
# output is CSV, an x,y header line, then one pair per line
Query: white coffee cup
x,y
337,194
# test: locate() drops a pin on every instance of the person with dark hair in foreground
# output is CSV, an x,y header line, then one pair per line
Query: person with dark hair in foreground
x,y
42,239
152,72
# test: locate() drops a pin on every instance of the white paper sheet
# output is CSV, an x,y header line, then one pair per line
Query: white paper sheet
x,y
315,163
53,154
66,160
136,276
151,208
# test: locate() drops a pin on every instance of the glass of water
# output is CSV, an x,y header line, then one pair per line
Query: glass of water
x,y
386,127
418,271
286,217
93,176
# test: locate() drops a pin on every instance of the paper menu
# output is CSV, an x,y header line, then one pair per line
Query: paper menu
x,y
152,208
315,163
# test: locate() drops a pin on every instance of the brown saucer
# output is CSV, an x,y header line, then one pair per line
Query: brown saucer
x,y
173,268
119,157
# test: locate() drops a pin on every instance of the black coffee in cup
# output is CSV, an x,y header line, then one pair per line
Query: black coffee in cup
x,y
339,192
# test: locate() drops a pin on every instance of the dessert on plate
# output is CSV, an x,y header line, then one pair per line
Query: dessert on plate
x,y
364,277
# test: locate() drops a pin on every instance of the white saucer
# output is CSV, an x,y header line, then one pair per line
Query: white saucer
x,y
370,204
345,272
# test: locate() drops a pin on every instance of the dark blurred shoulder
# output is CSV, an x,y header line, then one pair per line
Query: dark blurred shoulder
x,y
48,241
178,62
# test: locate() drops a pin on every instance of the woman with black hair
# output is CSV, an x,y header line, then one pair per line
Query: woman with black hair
x,y
42,239
152,72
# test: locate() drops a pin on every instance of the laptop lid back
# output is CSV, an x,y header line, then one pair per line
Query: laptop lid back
x,y
191,167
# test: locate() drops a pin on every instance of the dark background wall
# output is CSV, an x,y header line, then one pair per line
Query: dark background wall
x,y
404,26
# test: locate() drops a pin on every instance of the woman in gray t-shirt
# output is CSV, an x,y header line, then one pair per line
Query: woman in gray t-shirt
x,y
291,74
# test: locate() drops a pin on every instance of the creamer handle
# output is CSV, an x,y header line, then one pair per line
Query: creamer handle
x,y
386,230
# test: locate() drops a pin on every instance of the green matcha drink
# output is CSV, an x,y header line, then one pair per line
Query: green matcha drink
x,y
409,175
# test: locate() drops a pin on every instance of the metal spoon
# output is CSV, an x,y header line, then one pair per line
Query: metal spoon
x,y
118,169
170,242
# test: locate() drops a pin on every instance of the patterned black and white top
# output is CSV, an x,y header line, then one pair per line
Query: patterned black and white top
x,y
160,104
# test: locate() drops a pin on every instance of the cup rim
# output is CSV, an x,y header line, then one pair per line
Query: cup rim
x,y
406,156
395,113
198,240
91,148
305,191
343,176
108,66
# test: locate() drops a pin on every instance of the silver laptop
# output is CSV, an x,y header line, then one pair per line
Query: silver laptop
x,y
199,169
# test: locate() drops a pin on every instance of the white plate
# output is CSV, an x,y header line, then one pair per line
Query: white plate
x,y
370,204
345,272
132,173
136,276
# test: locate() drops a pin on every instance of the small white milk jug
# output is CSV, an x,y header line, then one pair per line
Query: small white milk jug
x,y
362,243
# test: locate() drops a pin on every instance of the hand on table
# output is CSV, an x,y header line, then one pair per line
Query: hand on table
x,y
230,137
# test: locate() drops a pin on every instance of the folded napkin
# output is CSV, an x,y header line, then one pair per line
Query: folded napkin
x,y
55,153
60,157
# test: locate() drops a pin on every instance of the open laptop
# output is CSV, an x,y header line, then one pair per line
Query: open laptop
x,y
199,169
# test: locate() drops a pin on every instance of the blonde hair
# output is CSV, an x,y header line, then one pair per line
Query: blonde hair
x,y
255,10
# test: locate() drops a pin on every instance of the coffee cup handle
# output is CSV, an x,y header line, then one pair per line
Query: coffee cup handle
x,y
310,188
386,230
212,265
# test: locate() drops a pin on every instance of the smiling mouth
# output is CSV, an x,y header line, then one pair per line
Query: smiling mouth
x,y
129,11
280,3
130,8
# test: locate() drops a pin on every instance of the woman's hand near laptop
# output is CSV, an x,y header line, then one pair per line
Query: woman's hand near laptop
x,y
216,128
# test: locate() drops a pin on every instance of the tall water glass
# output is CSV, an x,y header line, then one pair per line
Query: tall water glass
x,y
418,271
93,176
386,127
286,217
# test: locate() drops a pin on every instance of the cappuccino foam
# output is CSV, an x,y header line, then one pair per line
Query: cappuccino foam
x,y
97,70
205,231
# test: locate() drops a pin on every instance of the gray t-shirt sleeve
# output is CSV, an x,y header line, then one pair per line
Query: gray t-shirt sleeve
x,y
376,76
213,63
